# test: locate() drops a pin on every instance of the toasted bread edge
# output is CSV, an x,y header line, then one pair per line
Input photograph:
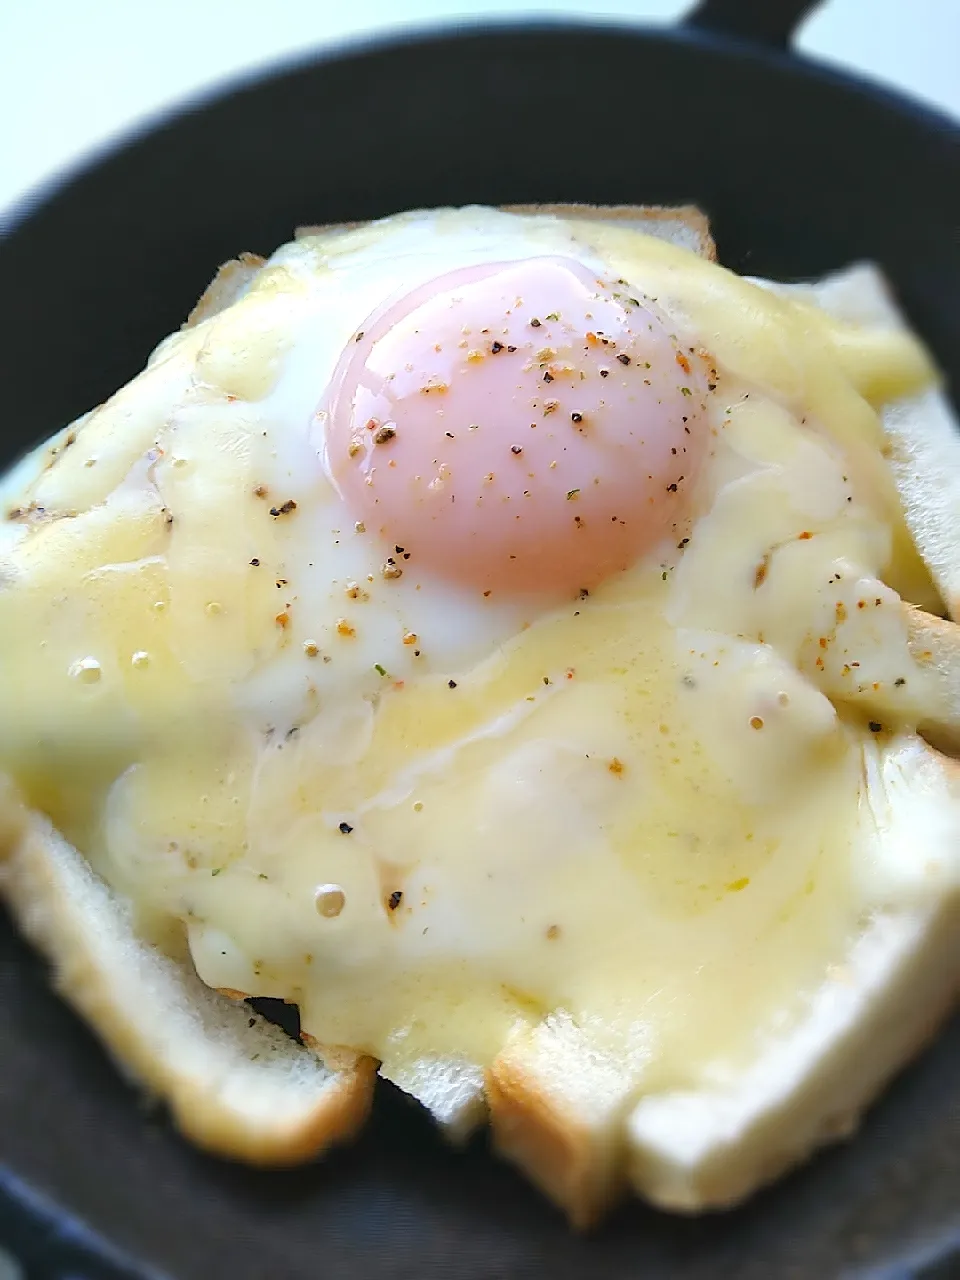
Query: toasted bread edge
x,y
46,883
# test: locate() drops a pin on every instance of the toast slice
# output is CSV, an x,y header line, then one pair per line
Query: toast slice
x,y
573,1119
581,1134
560,1110
711,1148
576,1123
234,1083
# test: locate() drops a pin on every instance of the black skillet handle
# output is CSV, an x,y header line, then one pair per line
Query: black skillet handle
x,y
766,22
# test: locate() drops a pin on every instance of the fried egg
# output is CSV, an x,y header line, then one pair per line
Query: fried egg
x,y
478,620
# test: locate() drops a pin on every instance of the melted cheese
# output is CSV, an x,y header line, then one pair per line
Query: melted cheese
x,y
641,810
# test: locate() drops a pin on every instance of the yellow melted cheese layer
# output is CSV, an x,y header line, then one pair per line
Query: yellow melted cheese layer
x,y
643,810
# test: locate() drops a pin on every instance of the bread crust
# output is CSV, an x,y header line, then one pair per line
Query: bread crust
x,y
577,1167
934,644
225,287
694,220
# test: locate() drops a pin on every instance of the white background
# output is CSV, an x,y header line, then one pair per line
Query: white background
x,y
73,73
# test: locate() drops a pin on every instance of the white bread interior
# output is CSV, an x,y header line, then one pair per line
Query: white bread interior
x,y
558,1108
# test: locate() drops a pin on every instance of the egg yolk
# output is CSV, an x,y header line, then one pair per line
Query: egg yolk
x,y
519,426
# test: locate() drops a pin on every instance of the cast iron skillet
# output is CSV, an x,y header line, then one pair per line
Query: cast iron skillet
x,y
801,170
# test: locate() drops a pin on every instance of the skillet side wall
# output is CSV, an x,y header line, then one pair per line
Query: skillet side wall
x,y
800,172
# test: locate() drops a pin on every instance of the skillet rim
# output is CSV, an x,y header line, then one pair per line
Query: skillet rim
x,y
431,35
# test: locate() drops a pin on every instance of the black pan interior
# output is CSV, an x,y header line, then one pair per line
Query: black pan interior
x,y
800,171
